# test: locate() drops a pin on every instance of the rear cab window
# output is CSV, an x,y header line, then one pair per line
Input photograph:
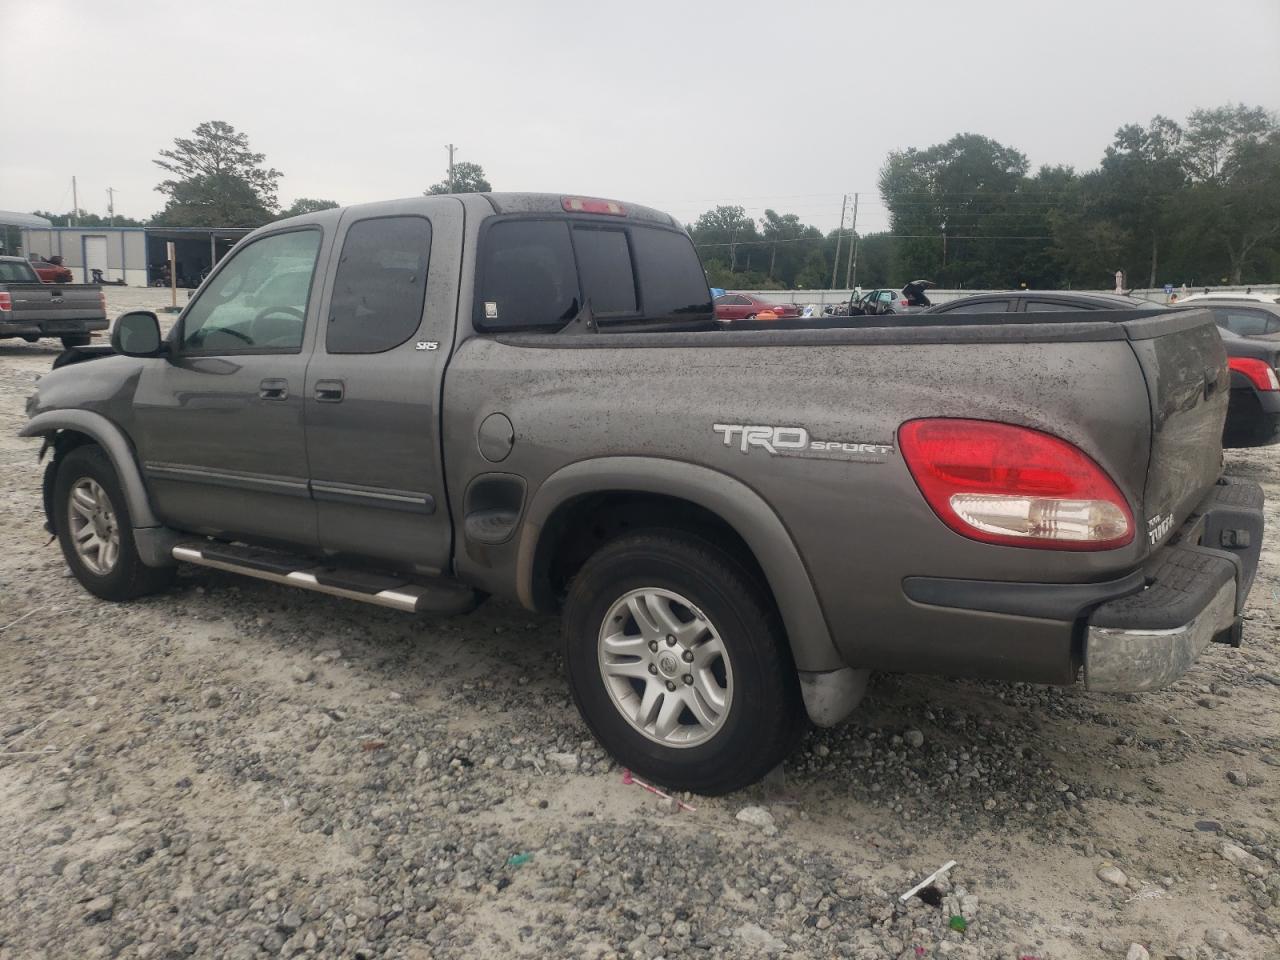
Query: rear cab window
x,y
540,273
380,285
15,271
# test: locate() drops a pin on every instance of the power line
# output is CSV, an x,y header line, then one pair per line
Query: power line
x,y
876,236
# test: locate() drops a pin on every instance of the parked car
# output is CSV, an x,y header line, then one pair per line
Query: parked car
x,y
1253,417
1251,331
527,396
52,270
886,302
748,306
1229,295
30,309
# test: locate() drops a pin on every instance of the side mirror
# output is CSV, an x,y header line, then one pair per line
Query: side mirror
x,y
137,334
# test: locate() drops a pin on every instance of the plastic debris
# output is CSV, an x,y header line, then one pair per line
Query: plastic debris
x,y
927,880
958,923
628,779
519,859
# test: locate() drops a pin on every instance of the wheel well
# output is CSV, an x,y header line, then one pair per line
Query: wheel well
x,y
581,526
62,443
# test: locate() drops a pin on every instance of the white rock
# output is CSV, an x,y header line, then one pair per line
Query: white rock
x,y
1110,873
756,817
1137,952
1219,939
757,938
565,761
1243,859
914,738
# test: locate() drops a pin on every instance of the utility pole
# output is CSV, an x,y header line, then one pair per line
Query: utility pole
x,y
450,147
75,203
111,206
835,266
853,241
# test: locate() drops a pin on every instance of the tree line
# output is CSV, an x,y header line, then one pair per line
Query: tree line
x,y
216,180
1196,202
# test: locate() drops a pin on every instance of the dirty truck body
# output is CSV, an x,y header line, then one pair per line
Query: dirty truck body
x,y
526,396
31,309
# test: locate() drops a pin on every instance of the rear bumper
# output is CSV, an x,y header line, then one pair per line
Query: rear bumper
x,y
50,328
1195,590
1136,632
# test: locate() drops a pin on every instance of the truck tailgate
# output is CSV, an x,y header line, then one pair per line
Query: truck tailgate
x,y
51,302
1185,365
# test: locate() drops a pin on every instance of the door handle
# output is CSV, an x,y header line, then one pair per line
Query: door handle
x,y
274,389
330,391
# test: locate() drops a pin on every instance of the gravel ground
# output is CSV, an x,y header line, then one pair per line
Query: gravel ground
x,y
238,770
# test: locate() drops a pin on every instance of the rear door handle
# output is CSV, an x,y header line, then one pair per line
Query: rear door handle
x,y
329,391
274,389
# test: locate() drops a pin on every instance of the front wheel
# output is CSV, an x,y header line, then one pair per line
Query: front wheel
x,y
95,532
678,665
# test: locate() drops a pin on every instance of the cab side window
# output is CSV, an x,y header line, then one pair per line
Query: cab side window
x,y
257,303
528,277
380,285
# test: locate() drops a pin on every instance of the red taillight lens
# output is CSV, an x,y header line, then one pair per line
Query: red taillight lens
x,y
1003,484
6,302
1258,372
592,205
904,303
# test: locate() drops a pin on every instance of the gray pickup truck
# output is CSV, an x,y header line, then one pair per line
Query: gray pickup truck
x,y
423,402
30,309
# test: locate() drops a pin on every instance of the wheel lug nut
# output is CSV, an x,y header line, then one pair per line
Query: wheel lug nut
x,y
671,641
670,685
653,646
653,669
688,680
687,656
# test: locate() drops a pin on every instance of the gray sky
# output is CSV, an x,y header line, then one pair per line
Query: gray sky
x,y
681,105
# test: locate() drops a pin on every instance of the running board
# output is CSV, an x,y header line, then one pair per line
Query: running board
x,y
441,596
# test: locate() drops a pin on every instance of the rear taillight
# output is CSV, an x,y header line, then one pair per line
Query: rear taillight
x,y
904,303
592,205
102,301
6,302
1258,372
1003,484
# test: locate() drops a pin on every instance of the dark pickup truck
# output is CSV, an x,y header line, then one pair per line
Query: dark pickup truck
x,y
30,309
422,402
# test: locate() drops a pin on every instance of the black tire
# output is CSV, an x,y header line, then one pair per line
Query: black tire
x,y
75,340
765,715
128,578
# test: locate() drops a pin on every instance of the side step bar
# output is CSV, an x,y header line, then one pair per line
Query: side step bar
x,y
441,596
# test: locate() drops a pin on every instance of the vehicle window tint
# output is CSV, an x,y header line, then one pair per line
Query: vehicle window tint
x,y
986,306
1047,306
257,302
672,284
737,300
1247,323
886,296
380,285
1273,325
527,276
604,267
723,299
16,272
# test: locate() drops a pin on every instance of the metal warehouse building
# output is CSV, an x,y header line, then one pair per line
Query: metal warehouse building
x,y
135,255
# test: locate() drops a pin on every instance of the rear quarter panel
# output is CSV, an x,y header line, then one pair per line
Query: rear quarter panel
x,y
861,525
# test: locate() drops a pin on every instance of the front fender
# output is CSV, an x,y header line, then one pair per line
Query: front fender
x,y
731,500
112,440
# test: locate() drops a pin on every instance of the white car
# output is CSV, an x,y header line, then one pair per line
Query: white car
x,y
1227,295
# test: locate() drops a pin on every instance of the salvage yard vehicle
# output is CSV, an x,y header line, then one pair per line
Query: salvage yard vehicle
x,y
31,309
1253,415
527,395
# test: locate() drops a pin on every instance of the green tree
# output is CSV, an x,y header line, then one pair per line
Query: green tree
x,y
467,178
720,233
217,180
307,205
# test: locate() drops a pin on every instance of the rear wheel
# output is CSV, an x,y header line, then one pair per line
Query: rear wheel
x,y
678,666
75,340
95,530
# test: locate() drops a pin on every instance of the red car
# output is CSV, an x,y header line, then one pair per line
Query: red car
x,y
51,271
745,306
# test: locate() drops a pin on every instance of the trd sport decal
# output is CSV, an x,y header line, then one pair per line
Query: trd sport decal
x,y
796,442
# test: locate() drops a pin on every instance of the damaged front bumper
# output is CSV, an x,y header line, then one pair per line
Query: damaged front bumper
x,y
1195,590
